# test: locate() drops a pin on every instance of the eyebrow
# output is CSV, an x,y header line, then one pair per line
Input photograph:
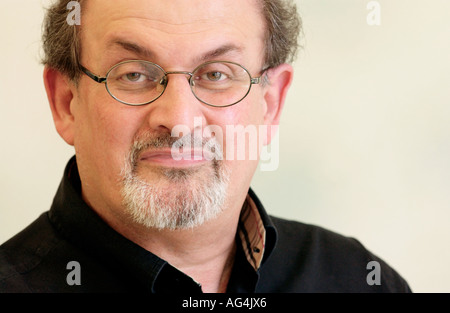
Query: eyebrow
x,y
223,50
132,47
148,54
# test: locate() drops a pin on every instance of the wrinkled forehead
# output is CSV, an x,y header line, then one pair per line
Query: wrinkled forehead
x,y
175,28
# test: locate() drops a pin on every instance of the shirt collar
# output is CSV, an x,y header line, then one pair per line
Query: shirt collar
x,y
252,233
79,224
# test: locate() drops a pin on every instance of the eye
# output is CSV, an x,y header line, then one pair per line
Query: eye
x,y
215,76
134,77
215,72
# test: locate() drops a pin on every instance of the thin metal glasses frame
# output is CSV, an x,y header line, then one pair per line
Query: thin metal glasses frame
x,y
103,80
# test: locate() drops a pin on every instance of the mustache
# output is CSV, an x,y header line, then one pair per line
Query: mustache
x,y
158,141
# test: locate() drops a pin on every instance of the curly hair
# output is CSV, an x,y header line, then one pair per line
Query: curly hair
x,y
284,26
61,43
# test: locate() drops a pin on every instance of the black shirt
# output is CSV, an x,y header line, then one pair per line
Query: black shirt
x,y
273,255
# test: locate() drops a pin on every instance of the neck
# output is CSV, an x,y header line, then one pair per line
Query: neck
x,y
205,253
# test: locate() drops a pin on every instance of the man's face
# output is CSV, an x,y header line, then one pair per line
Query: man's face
x,y
117,144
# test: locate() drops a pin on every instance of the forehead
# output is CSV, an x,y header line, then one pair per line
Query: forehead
x,y
176,29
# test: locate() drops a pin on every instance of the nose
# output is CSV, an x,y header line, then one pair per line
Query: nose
x,y
177,105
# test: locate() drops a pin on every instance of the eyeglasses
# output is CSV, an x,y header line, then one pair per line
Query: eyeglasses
x,y
215,83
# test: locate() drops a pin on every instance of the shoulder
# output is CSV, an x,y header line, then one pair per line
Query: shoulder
x,y
313,237
24,252
314,259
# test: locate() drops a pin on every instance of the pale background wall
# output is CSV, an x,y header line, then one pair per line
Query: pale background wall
x,y
364,142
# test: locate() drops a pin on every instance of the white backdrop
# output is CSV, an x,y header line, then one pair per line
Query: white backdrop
x,y
364,139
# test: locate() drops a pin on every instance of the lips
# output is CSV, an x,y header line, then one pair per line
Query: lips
x,y
175,157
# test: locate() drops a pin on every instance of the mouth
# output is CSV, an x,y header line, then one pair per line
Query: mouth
x,y
175,159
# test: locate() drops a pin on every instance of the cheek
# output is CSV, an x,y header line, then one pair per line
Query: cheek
x,y
239,128
250,111
103,136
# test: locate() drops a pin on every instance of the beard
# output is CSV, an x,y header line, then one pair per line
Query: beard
x,y
173,198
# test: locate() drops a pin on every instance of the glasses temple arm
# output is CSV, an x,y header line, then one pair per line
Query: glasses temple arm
x,y
92,75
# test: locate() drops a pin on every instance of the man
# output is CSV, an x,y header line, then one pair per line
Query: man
x,y
152,202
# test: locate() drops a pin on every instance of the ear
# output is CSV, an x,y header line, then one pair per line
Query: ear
x,y
60,95
279,81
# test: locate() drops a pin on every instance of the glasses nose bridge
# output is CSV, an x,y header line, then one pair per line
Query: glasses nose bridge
x,y
165,80
180,73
